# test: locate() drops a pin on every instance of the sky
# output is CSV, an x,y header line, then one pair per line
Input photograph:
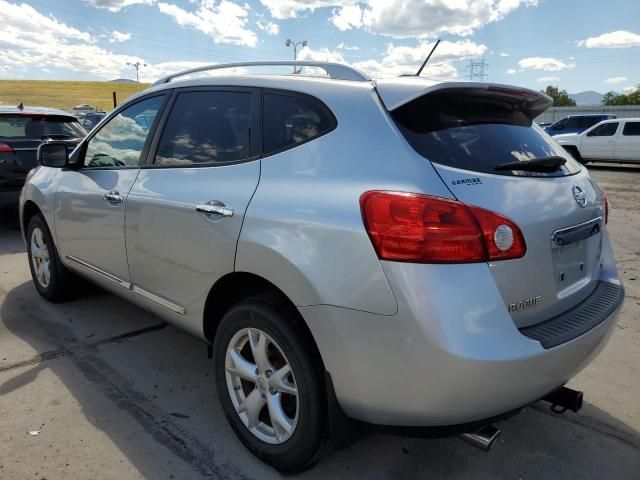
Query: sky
x,y
575,44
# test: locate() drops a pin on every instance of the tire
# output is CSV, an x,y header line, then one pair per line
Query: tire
x,y
242,330
52,279
573,150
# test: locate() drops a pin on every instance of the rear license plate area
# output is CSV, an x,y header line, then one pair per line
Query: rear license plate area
x,y
576,253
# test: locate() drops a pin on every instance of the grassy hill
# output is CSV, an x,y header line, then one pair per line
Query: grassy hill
x,y
64,94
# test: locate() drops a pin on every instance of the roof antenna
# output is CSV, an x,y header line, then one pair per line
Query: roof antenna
x,y
428,57
20,106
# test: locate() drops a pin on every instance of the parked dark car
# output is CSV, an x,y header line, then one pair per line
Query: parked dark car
x,y
91,119
576,123
22,130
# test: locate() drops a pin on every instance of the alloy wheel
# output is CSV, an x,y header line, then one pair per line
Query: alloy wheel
x,y
40,258
262,385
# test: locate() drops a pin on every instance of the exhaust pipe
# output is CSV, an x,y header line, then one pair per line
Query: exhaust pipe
x,y
483,438
564,399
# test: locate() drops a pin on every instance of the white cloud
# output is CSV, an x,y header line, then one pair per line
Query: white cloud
x,y
347,17
512,71
404,18
321,55
31,39
615,80
549,79
400,60
271,28
617,39
504,54
342,46
118,37
544,63
290,8
117,5
224,21
628,90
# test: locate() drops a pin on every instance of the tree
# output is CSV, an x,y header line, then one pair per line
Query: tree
x,y
560,97
632,98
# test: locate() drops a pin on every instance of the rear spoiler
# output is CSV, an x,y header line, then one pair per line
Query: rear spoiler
x,y
400,91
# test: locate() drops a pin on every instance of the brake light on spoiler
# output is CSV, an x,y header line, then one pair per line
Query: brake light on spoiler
x,y
411,227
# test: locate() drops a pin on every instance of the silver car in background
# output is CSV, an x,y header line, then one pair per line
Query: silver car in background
x,y
399,253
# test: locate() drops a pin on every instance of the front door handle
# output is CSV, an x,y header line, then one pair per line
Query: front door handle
x,y
113,197
215,207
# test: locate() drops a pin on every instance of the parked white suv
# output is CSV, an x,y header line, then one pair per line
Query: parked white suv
x,y
609,141
400,253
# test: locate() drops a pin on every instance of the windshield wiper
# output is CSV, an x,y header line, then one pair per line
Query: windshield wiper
x,y
541,164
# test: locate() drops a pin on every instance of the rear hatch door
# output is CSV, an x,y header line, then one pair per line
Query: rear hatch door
x,y
470,132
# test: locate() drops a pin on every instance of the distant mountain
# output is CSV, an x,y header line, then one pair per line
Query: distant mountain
x,y
122,80
587,98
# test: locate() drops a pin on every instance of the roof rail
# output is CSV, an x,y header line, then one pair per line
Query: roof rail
x,y
334,70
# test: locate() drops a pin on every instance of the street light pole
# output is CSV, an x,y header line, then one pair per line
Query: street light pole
x,y
137,66
289,43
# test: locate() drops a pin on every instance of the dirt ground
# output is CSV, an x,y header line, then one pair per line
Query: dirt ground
x,y
99,389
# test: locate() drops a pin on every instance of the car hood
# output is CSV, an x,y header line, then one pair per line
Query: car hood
x,y
566,137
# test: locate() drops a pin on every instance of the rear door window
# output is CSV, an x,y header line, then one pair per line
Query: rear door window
x,y
605,130
291,119
206,127
631,129
476,133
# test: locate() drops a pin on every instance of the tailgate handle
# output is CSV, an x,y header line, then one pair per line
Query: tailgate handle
x,y
576,233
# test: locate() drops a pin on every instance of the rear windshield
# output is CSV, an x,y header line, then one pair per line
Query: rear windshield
x,y
476,133
39,126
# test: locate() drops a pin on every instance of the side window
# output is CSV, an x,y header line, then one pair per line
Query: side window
x,y
631,129
572,123
119,143
288,120
206,127
587,122
604,130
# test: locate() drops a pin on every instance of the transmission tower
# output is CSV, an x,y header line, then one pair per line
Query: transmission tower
x,y
477,70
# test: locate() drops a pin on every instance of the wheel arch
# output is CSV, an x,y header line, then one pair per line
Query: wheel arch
x,y
237,286
29,210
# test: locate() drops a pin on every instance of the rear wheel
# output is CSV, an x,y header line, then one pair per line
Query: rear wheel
x,y
270,383
52,280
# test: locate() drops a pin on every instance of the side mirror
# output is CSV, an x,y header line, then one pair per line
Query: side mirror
x,y
53,154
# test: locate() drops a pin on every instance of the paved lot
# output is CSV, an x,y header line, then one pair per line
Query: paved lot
x,y
115,394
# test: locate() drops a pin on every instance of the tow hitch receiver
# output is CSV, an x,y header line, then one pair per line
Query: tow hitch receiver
x,y
564,399
483,438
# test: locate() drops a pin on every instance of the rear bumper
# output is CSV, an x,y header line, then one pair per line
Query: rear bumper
x,y
453,356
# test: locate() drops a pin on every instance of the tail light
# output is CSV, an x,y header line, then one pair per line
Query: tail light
x,y
4,148
410,227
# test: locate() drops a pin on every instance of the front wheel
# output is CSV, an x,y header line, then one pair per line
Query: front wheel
x,y
270,384
52,280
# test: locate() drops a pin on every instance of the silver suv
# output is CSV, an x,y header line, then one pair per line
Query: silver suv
x,y
399,253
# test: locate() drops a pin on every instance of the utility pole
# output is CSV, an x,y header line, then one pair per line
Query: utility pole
x,y
137,66
477,70
290,42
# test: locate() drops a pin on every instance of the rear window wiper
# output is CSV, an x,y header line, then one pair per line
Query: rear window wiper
x,y
541,164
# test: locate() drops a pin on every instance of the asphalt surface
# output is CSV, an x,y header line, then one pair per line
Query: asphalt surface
x,y
100,389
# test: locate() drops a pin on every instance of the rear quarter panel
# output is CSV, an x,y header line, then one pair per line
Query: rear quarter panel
x,y
303,230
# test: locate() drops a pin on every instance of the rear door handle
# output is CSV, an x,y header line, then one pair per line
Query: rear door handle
x,y
215,207
113,197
